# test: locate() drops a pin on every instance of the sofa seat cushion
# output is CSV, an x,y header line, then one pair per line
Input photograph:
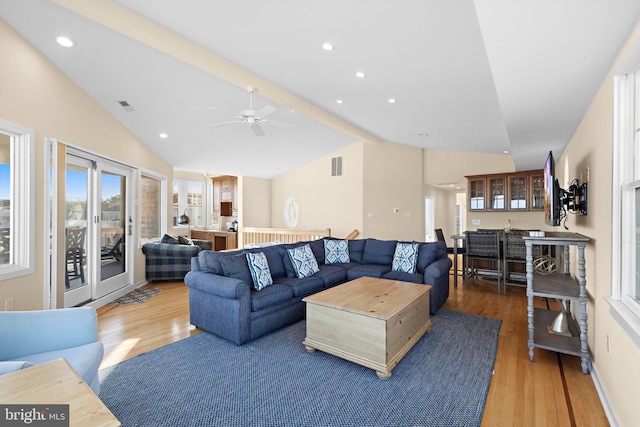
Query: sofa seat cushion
x,y
302,287
332,274
271,295
84,359
370,270
404,277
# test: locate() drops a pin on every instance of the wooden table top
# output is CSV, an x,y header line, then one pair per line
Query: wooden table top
x,y
56,382
370,296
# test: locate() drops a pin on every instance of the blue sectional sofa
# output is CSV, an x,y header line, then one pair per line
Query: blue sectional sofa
x,y
223,294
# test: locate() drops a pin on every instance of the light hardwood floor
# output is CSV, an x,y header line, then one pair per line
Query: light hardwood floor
x,y
551,391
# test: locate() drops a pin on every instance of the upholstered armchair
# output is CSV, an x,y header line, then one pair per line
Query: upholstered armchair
x,y
31,337
171,261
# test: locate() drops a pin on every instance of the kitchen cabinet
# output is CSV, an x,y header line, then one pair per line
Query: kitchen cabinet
x,y
515,191
225,189
563,287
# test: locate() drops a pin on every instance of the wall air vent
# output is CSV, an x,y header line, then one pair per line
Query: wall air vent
x,y
336,166
126,107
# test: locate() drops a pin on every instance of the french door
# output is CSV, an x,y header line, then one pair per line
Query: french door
x,y
97,228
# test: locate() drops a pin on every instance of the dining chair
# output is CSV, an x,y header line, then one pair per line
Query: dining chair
x,y
75,255
450,251
484,246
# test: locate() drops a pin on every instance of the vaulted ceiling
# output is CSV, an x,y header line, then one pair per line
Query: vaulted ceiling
x,y
485,76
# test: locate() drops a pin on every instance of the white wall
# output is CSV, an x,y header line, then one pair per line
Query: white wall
x,y
618,370
326,201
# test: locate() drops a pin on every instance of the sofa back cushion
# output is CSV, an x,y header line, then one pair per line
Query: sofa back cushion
x,y
210,262
236,266
356,247
274,258
379,251
429,253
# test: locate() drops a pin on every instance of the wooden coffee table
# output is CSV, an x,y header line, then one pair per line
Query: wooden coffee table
x,y
369,321
56,382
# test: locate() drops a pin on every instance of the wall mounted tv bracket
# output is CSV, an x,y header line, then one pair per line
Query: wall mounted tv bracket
x,y
575,197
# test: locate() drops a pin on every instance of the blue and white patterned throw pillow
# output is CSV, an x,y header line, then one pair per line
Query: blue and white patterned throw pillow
x,y
259,268
405,257
336,251
303,260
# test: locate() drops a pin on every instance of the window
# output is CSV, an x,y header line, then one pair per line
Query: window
x,y
625,292
189,199
152,200
16,200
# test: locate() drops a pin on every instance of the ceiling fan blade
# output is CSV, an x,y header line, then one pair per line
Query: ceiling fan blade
x,y
265,111
257,129
226,123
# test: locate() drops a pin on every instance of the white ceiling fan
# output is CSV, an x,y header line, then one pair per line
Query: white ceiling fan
x,y
252,117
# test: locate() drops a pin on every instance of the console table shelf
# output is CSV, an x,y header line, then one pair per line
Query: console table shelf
x,y
563,287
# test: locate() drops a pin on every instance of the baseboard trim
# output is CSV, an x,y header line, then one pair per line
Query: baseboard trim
x,y
608,410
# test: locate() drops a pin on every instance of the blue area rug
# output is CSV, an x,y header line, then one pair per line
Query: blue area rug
x,y
272,381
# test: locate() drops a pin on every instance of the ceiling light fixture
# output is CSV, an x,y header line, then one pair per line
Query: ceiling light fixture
x,y
392,101
506,151
164,135
423,134
360,75
328,46
64,41
340,101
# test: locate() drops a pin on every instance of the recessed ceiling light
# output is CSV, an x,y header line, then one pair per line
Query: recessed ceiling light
x,y
423,134
327,46
64,41
506,151
340,101
360,75
392,101
164,135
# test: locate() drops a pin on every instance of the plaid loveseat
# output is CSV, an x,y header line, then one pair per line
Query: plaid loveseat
x,y
169,261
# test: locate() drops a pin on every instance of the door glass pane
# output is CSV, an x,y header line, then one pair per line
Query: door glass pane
x,y
76,196
112,225
496,193
518,192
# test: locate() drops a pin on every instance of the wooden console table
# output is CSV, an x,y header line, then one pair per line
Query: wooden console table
x,y
56,382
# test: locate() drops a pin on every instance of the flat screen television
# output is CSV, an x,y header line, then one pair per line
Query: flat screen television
x,y
552,202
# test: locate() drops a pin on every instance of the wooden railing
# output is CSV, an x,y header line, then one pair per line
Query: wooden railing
x,y
255,236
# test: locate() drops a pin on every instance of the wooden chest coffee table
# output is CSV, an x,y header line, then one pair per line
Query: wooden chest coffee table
x,y
370,321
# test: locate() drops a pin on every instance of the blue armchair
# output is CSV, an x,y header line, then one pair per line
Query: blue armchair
x,y
31,337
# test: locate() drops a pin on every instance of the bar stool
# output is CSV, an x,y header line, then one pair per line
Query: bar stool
x,y
455,252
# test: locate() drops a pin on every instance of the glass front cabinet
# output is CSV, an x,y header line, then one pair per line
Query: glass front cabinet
x,y
517,191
